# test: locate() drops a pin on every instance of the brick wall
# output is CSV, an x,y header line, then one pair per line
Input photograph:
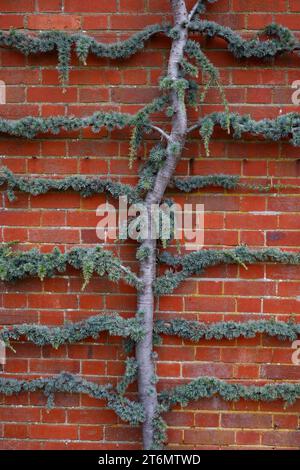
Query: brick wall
x,y
231,218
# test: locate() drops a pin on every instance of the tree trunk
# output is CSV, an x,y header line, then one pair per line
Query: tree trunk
x,y
144,349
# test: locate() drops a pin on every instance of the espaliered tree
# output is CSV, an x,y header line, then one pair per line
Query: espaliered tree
x,y
179,90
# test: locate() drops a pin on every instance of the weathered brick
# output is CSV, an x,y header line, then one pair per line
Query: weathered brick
x,y
232,217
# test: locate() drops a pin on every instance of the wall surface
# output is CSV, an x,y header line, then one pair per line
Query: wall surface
x,y
231,218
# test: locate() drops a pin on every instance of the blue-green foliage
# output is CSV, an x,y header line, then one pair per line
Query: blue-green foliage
x,y
16,265
196,262
70,333
207,387
85,186
194,331
63,43
242,48
29,127
126,409
287,125
129,376
198,182
132,329
229,182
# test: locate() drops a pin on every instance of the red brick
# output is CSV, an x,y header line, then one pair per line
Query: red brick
x,y
50,5
95,22
51,94
79,351
53,416
253,221
208,436
246,288
274,371
217,370
16,5
122,434
51,366
168,370
248,421
93,77
256,5
175,354
210,304
53,22
247,437
285,421
91,433
209,420
181,419
54,236
11,21
93,416
16,431
129,95
52,301
231,217
45,431
92,6
168,303
24,414
281,439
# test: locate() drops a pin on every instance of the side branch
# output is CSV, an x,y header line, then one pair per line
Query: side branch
x,y
196,263
30,127
195,331
207,387
131,328
126,409
15,265
85,186
83,44
287,125
229,182
71,333
164,134
88,186
242,48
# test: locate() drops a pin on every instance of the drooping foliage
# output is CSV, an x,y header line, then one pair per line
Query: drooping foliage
x,y
83,45
196,262
15,265
128,410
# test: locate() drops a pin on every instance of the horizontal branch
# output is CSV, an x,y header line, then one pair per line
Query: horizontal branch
x,y
207,387
126,409
230,182
85,186
196,262
16,265
70,333
30,127
245,48
287,125
192,183
131,328
194,331
63,43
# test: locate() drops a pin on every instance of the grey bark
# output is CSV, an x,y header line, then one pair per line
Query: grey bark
x,y
144,349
